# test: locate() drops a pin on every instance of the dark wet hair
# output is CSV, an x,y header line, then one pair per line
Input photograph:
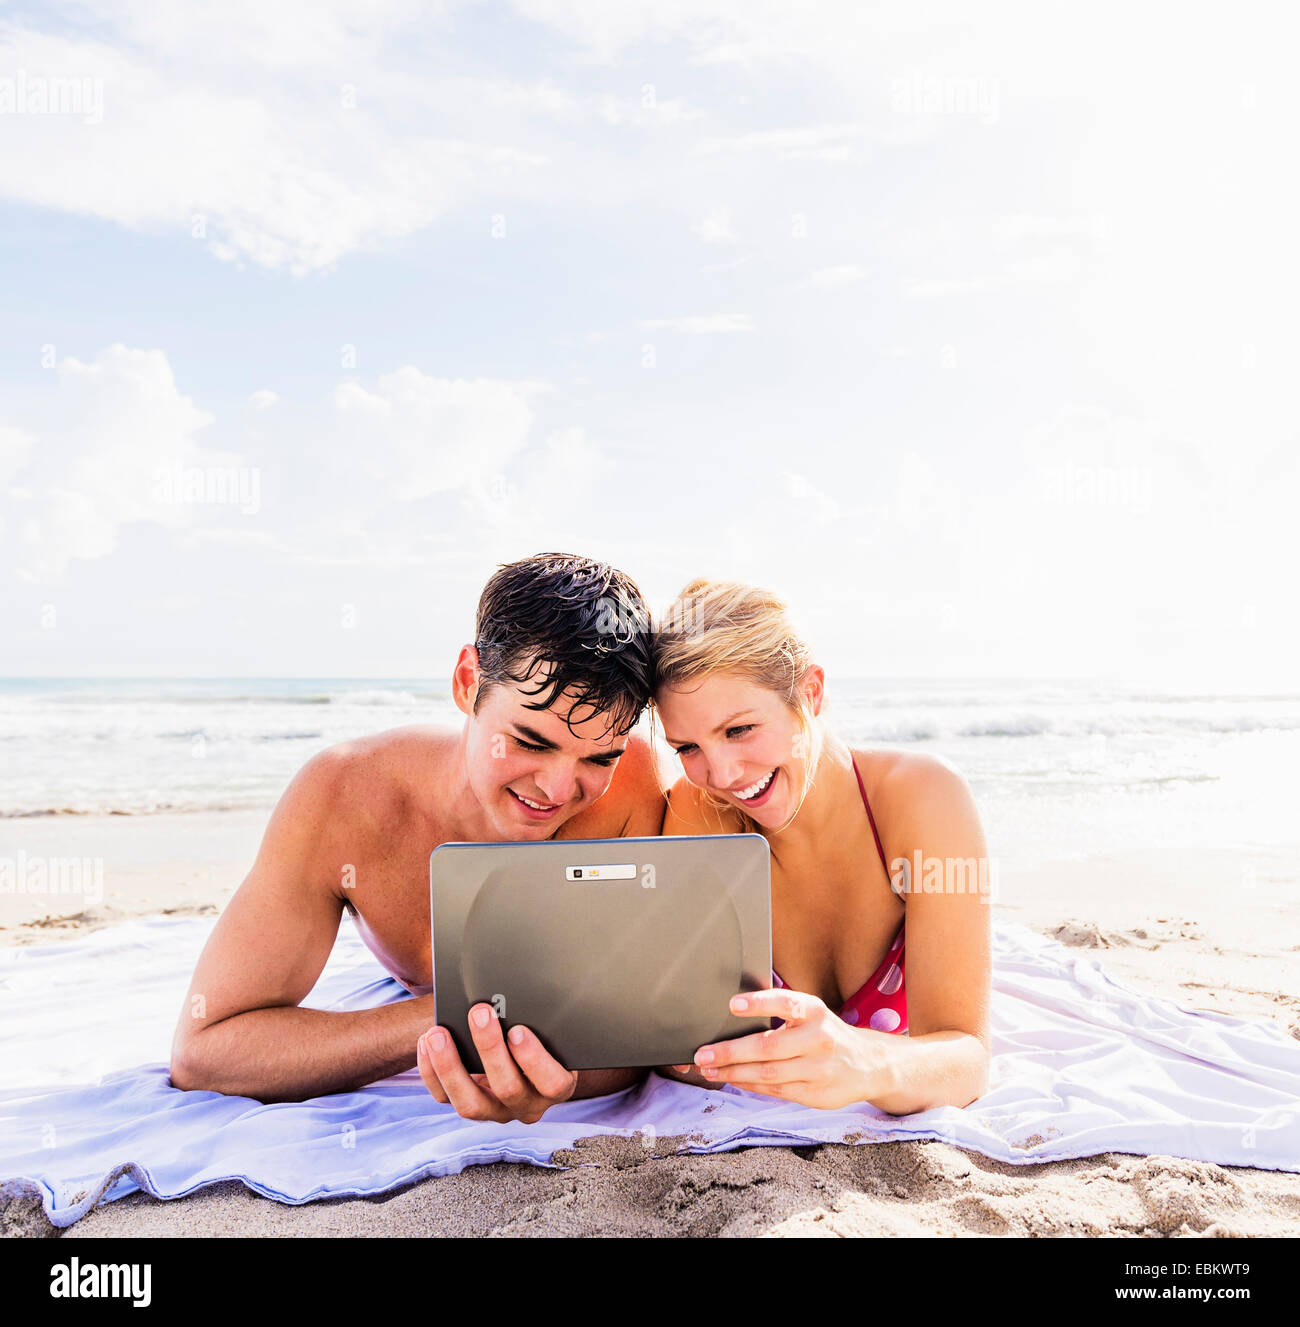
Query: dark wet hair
x,y
575,625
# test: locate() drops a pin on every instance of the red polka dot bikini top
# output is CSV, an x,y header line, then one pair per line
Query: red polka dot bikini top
x,y
881,1003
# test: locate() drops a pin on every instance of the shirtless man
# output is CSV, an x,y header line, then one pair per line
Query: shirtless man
x,y
558,676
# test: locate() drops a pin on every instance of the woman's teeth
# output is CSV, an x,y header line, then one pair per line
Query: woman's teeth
x,y
755,788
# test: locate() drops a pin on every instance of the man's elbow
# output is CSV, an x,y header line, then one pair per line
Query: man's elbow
x,y
185,1074
191,1070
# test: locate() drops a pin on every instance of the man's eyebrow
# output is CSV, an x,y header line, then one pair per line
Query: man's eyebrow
x,y
730,717
534,736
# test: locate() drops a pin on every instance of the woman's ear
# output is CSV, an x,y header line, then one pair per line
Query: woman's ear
x,y
813,687
465,679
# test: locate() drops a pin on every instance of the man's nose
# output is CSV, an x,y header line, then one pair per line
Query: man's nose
x,y
558,782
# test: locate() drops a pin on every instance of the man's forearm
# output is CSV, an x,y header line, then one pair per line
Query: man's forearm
x,y
291,1054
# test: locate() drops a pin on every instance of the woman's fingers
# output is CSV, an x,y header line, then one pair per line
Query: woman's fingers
x,y
779,1002
769,1073
779,1055
777,1044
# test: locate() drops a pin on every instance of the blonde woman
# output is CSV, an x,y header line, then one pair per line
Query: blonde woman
x,y
864,1016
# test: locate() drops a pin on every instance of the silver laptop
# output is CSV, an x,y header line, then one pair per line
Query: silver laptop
x,y
617,953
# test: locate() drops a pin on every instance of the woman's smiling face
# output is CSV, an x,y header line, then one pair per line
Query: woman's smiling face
x,y
739,741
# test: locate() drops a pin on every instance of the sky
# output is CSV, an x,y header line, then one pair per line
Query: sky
x,y
971,331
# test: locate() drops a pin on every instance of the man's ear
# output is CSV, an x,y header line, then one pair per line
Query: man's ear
x,y
465,679
813,687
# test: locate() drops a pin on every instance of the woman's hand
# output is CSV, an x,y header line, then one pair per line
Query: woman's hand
x,y
522,1080
815,1059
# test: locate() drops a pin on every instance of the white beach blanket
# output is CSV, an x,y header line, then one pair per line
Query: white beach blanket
x,y
1081,1065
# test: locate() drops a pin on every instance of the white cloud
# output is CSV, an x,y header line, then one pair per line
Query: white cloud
x,y
1155,299
548,497
321,155
1058,267
291,135
832,142
1022,226
844,275
817,507
730,265
715,228
603,30
424,435
293,34
705,325
938,288
116,425
14,448
646,111
263,400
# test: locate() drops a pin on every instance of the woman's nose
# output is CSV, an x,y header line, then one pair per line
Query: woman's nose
x,y
724,773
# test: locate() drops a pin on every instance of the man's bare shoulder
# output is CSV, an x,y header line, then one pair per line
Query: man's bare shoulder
x,y
632,805
371,779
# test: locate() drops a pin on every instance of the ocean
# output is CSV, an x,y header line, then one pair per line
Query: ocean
x,y
1060,766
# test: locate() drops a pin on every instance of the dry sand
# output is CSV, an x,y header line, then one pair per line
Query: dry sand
x,y
1181,928
615,1186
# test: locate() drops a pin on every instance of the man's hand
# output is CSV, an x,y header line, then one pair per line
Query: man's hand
x,y
522,1080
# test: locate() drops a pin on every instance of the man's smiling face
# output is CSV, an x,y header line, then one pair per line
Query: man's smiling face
x,y
529,769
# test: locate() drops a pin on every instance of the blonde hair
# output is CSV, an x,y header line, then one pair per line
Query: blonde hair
x,y
728,627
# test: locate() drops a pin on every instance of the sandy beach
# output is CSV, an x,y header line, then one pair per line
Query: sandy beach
x,y
1182,926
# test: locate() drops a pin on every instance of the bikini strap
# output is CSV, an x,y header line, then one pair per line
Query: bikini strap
x,y
880,847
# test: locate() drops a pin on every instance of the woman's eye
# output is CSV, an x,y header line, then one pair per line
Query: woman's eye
x,y
686,749
743,728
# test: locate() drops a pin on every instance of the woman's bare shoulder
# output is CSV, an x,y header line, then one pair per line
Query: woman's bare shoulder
x,y
691,812
896,780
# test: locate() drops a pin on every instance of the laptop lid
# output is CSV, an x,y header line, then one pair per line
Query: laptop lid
x,y
617,953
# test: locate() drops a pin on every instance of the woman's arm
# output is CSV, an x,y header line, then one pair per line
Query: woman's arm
x,y
929,824
939,855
